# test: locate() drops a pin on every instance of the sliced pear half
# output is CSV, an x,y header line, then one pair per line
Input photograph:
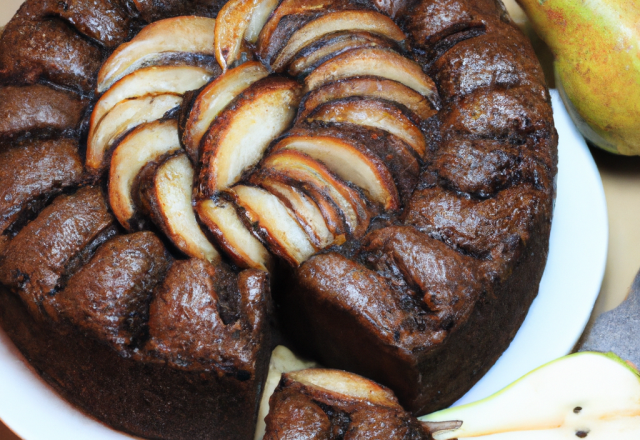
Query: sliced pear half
x,y
305,209
330,46
584,395
188,34
359,20
234,21
143,145
320,182
275,223
369,87
232,236
167,195
125,116
238,138
173,80
214,98
349,161
373,61
373,113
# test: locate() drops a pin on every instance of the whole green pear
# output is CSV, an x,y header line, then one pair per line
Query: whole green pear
x,y
596,44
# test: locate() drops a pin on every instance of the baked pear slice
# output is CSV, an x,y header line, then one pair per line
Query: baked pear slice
x,y
332,45
259,17
584,395
320,183
373,61
349,20
145,144
349,161
239,136
373,113
233,23
232,236
214,98
370,87
125,116
150,81
274,223
165,192
187,34
305,209
286,8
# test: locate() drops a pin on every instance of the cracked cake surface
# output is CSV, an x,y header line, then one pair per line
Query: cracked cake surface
x,y
188,183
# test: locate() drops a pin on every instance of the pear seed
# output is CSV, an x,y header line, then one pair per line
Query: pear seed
x,y
577,409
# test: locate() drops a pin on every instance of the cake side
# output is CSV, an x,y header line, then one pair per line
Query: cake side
x,y
423,188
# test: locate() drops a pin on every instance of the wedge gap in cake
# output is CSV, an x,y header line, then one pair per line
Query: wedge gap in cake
x,y
333,44
232,236
124,116
147,143
359,20
239,136
150,81
165,193
187,34
379,62
350,161
373,113
214,98
274,223
323,186
370,87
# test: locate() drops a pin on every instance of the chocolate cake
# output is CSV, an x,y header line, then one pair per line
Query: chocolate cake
x,y
188,183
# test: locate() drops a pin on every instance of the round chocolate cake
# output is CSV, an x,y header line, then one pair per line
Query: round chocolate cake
x,y
186,184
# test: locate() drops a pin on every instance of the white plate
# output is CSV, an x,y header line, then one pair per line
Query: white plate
x,y
568,291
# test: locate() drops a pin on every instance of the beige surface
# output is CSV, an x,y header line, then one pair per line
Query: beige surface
x,y
621,179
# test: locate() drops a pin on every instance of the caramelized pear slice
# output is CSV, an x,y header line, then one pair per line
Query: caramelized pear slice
x,y
125,116
214,98
145,144
287,7
370,87
332,45
186,34
275,223
233,23
360,20
373,113
305,209
167,196
345,386
373,61
174,80
232,236
238,138
350,162
312,175
259,18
